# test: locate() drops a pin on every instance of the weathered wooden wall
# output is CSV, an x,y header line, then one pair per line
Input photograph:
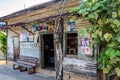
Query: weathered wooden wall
x,y
82,67
44,12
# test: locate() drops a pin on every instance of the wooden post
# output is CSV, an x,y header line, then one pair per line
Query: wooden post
x,y
59,48
6,43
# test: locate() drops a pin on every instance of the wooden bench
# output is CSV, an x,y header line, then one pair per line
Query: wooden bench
x,y
26,63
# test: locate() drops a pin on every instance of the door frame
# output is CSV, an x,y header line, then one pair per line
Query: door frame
x,y
42,49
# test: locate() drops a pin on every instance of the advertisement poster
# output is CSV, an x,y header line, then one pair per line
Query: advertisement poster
x,y
71,26
85,46
24,35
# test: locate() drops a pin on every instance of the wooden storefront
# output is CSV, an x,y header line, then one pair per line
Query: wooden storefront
x,y
31,33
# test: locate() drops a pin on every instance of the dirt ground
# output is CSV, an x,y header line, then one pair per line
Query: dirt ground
x,y
67,76
2,62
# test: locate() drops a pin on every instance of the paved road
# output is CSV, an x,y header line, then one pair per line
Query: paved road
x,y
7,73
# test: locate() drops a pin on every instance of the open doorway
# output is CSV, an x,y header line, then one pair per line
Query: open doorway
x,y
48,42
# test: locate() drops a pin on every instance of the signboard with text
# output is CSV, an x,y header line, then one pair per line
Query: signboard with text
x,y
29,49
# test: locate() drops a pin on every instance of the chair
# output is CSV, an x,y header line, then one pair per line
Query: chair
x,y
72,50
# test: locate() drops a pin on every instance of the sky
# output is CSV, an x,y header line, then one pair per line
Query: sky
x,y
10,6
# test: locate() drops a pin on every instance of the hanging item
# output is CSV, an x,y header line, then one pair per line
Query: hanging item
x,y
34,28
36,37
31,37
2,24
45,26
24,35
71,26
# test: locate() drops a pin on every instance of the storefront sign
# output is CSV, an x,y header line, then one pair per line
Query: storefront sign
x,y
29,49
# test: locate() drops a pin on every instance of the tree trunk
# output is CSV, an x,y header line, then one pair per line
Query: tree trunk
x,y
101,75
59,48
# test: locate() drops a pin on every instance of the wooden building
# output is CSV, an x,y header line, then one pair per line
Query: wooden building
x,y
30,32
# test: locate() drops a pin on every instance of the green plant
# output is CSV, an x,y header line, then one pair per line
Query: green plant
x,y
3,42
104,16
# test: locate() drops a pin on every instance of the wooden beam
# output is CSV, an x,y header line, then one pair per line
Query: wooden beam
x,y
28,30
14,31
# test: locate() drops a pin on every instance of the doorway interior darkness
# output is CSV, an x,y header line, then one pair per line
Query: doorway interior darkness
x,y
48,51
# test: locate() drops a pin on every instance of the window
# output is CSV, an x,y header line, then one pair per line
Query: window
x,y
71,44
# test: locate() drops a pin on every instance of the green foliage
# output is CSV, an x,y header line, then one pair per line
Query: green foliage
x,y
3,42
105,30
82,32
